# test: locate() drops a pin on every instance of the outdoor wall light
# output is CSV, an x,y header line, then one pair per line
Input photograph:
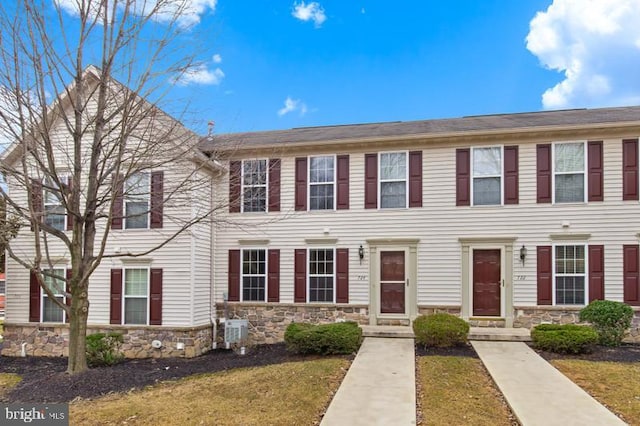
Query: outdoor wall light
x,y
523,254
361,253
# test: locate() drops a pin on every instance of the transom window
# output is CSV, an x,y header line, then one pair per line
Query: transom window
x,y
393,180
487,176
569,176
137,190
321,275
254,275
321,183
54,281
136,291
254,185
570,275
54,212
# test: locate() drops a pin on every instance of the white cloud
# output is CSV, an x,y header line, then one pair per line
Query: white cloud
x,y
200,74
596,44
309,12
187,13
216,58
292,105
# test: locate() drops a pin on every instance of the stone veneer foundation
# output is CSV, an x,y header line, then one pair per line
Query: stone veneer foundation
x,y
267,322
53,340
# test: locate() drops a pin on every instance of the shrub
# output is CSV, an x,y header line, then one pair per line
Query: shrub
x,y
441,330
324,339
610,319
565,338
104,349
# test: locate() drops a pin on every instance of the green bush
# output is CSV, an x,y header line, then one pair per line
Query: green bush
x,y
324,339
104,349
441,330
610,319
565,338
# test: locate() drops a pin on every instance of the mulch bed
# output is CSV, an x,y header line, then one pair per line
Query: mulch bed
x,y
623,353
463,350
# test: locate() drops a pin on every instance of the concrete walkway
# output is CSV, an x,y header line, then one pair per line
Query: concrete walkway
x,y
537,393
379,388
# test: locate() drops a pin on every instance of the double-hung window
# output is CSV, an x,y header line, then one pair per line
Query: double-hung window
x,y
254,185
487,176
54,212
254,275
570,276
393,180
137,191
569,175
322,178
54,281
136,293
321,275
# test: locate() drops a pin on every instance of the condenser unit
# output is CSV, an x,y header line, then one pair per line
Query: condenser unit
x,y
235,331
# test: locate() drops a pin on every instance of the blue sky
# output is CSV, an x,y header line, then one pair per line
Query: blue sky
x,y
284,63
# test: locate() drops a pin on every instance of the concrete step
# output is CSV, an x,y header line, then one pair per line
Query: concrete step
x,y
500,334
398,331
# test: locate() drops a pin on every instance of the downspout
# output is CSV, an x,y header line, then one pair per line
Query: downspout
x,y
213,314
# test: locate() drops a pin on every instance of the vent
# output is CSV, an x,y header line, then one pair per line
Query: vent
x,y
235,331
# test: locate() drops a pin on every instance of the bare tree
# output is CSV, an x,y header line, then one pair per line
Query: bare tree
x,y
81,109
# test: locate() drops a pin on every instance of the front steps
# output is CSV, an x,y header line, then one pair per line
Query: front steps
x,y
398,331
476,333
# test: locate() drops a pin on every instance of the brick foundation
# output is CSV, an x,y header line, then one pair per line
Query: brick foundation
x,y
53,340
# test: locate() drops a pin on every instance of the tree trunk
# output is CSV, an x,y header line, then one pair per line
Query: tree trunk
x,y
78,332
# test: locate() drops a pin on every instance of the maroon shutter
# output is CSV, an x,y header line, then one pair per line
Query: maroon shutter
x,y
118,204
69,215
545,276
342,177
157,199
342,276
274,185
34,298
234,276
155,297
630,169
631,274
116,297
68,291
415,179
463,177
300,276
36,200
511,190
371,181
594,165
235,175
273,286
543,177
301,184
596,273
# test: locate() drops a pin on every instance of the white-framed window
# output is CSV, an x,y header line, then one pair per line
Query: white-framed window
x,y
321,275
254,275
486,169
136,296
569,164
393,179
54,213
570,278
54,280
322,178
254,185
137,193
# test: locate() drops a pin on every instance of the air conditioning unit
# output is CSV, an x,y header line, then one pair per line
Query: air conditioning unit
x,y
235,331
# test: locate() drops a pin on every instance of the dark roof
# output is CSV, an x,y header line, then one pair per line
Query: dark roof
x,y
480,123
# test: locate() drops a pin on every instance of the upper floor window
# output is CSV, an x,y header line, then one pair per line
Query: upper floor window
x,y
393,180
322,183
487,176
254,275
569,175
137,190
321,275
254,185
54,281
136,290
54,212
570,275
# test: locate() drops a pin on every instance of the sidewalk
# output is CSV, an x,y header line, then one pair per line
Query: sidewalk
x,y
538,393
379,388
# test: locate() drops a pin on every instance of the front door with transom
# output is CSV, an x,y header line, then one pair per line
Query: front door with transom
x,y
486,282
393,276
